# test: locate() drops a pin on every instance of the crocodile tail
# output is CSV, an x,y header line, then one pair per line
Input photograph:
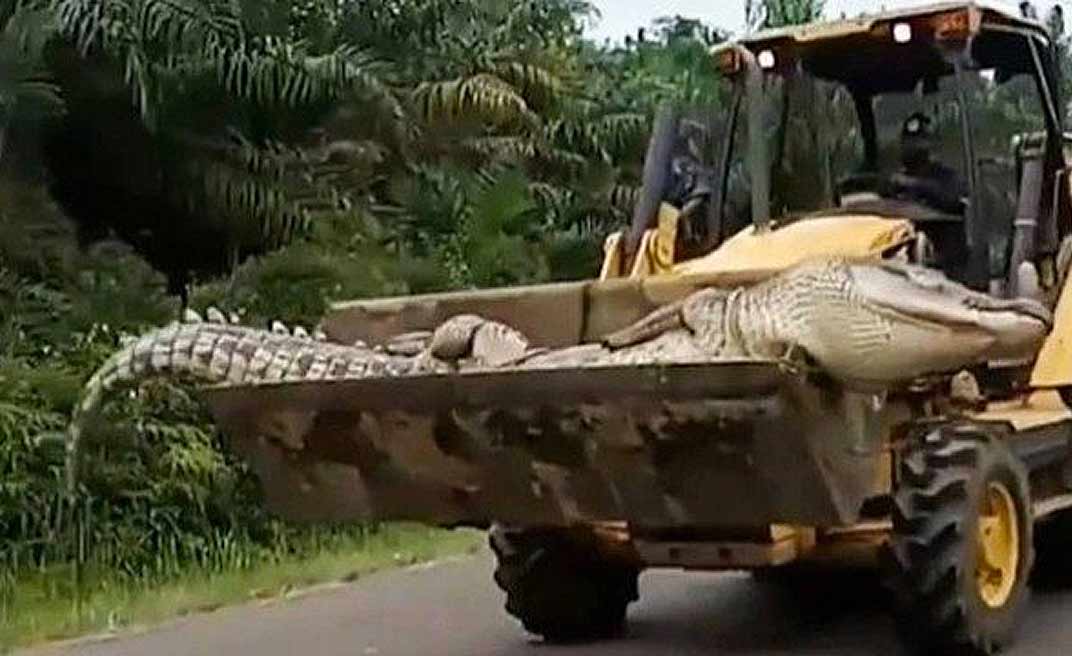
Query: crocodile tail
x,y
215,353
162,352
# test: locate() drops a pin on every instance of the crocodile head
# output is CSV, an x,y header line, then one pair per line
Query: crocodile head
x,y
906,321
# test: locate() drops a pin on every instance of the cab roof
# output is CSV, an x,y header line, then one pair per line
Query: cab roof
x,y
863,53
996,12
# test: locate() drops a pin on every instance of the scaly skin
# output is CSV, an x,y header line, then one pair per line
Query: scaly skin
x,y
866,324
220,353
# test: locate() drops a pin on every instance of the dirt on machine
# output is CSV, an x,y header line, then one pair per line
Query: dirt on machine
x,y
836,334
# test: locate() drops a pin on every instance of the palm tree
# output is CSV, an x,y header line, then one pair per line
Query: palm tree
x,y
183,119
202,131
496,87
26,94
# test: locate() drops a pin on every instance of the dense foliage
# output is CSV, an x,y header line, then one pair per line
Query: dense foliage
x,y
268,157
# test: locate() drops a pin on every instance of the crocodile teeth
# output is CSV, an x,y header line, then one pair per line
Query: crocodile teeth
x,y
189,316
215,316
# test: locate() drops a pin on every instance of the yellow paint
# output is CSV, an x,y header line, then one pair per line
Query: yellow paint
x,y
1054,365
612,256
655,255
1053,368
998,561
1041,408
788,246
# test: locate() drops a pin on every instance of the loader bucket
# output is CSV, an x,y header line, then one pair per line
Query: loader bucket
x,y
723,445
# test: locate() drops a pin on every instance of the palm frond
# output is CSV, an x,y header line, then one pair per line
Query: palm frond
x,y
261,194
598,136
129,31
555,200
509,151
615,131
483,97
244,203
282,73
502,148
537,85
623,197
159,41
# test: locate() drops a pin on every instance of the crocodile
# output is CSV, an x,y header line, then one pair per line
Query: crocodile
x,y
867,324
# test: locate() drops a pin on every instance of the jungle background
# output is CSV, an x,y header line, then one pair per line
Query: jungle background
x,y
268,157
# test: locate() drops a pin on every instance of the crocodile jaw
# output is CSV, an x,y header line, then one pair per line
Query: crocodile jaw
x,y
935,325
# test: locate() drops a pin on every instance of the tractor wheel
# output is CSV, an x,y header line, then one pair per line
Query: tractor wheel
x,y
559,588
962,543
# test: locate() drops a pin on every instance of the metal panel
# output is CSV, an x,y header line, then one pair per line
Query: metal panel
x,y
550,315
732,444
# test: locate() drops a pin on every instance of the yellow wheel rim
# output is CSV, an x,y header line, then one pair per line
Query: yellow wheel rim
x,y
998,562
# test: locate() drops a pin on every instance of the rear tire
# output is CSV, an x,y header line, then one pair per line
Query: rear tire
x,y
962,543
559,587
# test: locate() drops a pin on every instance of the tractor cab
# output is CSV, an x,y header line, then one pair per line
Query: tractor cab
x,y
932,133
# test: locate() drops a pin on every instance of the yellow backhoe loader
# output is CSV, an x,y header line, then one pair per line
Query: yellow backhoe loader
x,y
902,404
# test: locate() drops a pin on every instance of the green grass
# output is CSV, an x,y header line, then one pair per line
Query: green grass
x,y
46,607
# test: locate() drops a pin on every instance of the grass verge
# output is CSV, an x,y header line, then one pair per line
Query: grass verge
x,y
47,606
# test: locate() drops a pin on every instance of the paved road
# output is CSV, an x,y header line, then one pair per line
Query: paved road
x,y
453,609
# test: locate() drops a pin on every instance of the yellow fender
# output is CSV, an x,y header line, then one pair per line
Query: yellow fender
x,y
654,257
1053,369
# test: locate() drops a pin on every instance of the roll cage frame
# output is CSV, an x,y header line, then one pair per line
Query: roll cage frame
x,y
948,40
